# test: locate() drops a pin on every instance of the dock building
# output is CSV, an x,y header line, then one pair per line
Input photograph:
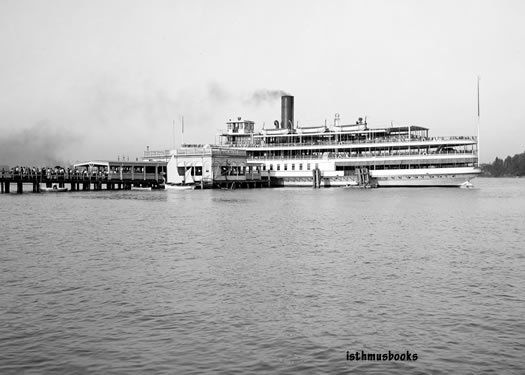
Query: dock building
x,y
207,166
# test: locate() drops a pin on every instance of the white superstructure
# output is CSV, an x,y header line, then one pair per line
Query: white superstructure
x,y
353,154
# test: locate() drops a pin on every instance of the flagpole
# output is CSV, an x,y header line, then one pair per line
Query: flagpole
x,y
182,125
479,155
173,133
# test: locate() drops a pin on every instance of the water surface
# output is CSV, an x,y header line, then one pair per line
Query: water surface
x,y
264,280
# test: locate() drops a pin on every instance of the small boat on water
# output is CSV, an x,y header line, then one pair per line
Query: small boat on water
x,y
53,189
141,188
179,187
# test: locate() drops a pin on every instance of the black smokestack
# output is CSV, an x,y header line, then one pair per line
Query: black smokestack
x,y
286,112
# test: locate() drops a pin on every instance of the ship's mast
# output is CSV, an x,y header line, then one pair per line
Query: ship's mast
x,y
182,129
479,155
173,133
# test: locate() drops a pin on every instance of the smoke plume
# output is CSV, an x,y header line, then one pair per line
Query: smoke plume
x,y
218,93
264,95
39,145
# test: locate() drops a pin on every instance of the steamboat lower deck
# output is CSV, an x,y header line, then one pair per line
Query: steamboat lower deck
x,y
353,154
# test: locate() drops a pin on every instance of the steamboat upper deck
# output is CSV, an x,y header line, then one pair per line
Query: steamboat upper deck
x,y
334,154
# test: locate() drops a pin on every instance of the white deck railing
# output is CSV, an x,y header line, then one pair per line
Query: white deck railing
x,y
332,142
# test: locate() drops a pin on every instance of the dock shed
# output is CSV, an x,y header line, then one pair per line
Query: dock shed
x,y
211,166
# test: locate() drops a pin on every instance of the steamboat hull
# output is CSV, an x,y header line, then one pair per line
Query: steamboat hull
x,y
450,177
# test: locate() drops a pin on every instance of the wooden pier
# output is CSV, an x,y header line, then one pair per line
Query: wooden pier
x,y
242,184
112,176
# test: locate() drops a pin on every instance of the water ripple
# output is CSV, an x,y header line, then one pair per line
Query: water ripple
x,y
272,280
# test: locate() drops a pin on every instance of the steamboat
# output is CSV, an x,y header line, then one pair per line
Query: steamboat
x,y
340,154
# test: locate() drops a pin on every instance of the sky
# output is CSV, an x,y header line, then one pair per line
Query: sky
x,y
83,80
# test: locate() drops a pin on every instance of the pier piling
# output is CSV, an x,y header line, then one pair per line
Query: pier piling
x,y
75,180
316,174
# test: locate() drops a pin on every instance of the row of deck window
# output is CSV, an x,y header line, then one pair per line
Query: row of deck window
x,y
350,168
291,167
415,177
335,153
241,170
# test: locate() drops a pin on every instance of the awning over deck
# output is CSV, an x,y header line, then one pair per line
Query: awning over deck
x,y
112,163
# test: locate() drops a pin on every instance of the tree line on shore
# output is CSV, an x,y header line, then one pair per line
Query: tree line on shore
x,y
510,167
